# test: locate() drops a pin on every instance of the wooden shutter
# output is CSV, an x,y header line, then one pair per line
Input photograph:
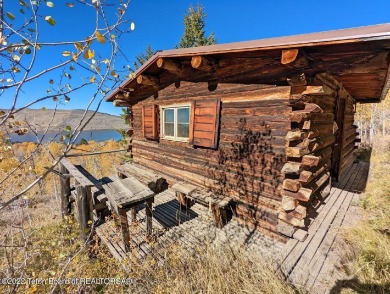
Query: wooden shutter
x,y
205,123
149,122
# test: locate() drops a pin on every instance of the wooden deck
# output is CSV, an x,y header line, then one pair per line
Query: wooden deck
x,y
313,264
192,229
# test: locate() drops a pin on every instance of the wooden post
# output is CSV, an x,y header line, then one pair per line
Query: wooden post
x,y
149,206
82,209
65,192
220,215
89,205
85,210
125,228
133,214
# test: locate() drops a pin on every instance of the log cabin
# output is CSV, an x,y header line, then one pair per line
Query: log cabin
x,y
268,123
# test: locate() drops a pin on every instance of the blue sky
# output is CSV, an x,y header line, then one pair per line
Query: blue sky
x,y
159,23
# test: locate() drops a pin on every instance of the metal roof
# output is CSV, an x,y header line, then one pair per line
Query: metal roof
x,y
342,36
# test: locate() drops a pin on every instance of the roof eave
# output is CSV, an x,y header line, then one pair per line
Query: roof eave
x,y
373,33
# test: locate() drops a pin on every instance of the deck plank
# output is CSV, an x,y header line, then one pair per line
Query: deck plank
x,y
330,272
191,229
292,259
302,269
311,264
318,260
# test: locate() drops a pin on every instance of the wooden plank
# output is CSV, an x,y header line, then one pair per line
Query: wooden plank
x,y
80,174
178,214
295,249
327,275
155,182
184,187
110,230
128,191
106,240
292,243
171,215
138,236
134,169
302,265
177,230
91,178
318,261
320,255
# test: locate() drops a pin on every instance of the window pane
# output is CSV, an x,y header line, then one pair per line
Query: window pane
x,y
183,115
169,129
169,115
183,130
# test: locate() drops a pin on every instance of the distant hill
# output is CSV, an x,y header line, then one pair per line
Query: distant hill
x,y
41,118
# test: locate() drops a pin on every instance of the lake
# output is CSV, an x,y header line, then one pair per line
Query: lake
x,y
95,135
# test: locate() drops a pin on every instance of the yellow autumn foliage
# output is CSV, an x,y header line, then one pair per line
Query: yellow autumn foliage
x,y
22,163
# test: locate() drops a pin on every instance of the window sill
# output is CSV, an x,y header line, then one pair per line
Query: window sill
x,y
176,139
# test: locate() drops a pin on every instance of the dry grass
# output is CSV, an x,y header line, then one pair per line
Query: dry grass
x,y
218,271
370,238
55,251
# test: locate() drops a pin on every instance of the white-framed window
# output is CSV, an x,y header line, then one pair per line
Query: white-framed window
x,y
175,122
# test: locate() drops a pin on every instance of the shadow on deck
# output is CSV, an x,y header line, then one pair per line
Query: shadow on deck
x,y
312,264
191,229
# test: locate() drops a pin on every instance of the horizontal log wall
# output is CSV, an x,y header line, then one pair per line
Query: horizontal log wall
x,y
349,134
346,127
251,149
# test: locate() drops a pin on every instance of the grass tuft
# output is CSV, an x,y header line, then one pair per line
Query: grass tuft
x,y
370,238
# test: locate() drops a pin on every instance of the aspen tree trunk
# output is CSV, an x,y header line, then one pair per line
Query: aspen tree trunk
x,y
372,123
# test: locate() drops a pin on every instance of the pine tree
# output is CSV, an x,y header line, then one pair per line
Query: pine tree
x,y
194,34
144,56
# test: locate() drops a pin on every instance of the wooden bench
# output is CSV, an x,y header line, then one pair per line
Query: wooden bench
x,y
153,181
125,194
82,194
220,206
